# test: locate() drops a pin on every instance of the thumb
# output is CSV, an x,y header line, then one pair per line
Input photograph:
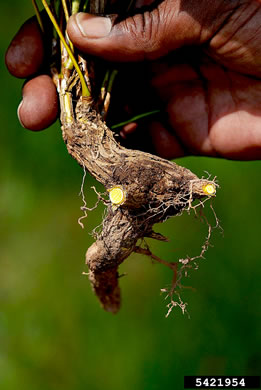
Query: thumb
x,y
143,36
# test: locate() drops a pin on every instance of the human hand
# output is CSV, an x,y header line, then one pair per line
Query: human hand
x,y
211,92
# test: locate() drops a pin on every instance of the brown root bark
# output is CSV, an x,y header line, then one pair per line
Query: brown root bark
x,y
154,190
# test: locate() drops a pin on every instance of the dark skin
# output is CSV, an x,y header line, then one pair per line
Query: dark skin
x,y
211,94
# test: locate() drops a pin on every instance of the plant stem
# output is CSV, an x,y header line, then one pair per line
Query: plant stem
x,y
38,15
107,96
85,90
135,118
75,6
66,14
111,79
130,5
65,10
85,6
104,84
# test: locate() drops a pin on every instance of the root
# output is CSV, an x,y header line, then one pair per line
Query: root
x,y
187,264
173,303
143,190
106,287
84,208
147,252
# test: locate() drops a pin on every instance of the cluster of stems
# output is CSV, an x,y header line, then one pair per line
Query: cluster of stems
x,y
68,67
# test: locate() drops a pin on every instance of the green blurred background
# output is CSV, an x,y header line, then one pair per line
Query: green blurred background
x,y
53,333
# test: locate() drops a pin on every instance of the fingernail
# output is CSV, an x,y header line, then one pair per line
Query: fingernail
x,y
18,113
93,26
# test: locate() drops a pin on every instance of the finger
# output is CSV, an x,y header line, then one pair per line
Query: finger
x,y
189,116
128,129
225,122
166,144
237,136
151,34
234,113
39,107
143,36
183,92
25,53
